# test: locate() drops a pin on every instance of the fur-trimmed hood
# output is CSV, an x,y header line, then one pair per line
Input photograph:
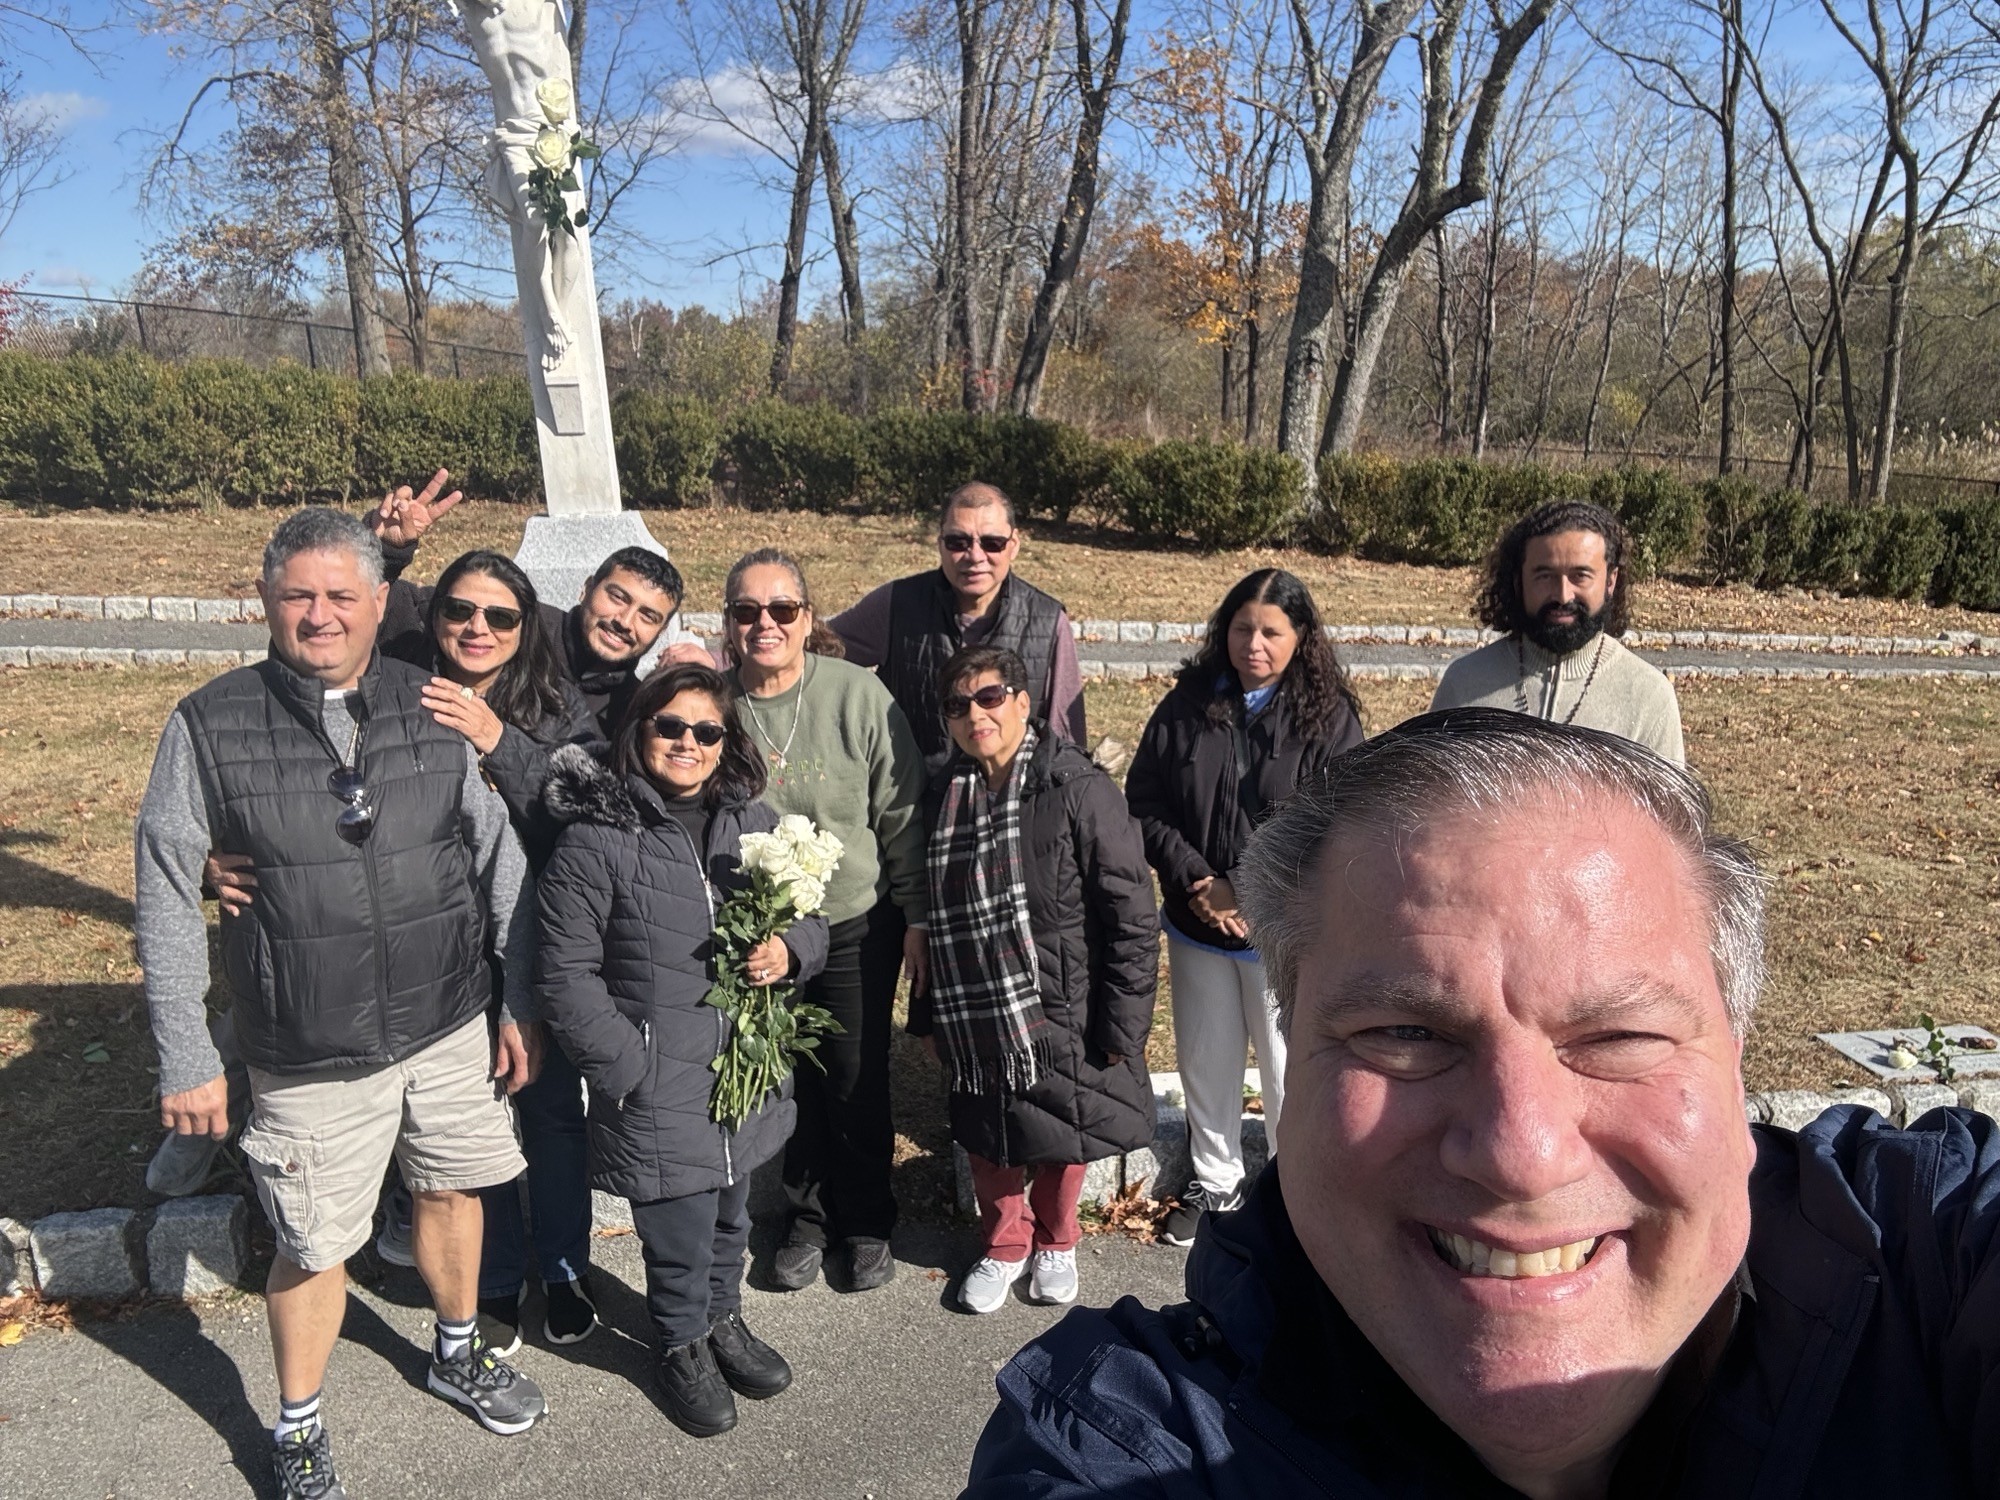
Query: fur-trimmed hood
x,y
582,789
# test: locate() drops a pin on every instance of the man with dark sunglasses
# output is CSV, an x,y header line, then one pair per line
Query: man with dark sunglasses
x,y
907,630
358,979
631,604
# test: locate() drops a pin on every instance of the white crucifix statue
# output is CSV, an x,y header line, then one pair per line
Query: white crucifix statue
x,y
533,173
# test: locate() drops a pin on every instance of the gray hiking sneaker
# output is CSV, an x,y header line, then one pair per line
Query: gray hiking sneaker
x,y
984,1289
182,1164
501,1397
303,1465
1052,1277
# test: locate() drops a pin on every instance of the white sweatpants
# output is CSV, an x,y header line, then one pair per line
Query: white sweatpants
x,y
1222,1004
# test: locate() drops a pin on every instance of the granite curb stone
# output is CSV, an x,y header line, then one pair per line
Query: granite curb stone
x,y
96,1253
198,1246
17,1258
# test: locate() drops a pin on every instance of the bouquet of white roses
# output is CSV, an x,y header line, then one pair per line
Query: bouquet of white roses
x,y
768,1031
553,159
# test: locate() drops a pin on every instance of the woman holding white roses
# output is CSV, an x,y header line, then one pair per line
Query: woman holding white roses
x,y
837,750
628,956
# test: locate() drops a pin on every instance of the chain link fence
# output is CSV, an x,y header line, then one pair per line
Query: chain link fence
x,y
57,325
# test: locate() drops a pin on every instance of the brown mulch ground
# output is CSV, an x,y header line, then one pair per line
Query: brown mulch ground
x,y
1874,805
1100,573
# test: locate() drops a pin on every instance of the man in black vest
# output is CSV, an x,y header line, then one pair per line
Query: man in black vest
x,y
358,979
908,630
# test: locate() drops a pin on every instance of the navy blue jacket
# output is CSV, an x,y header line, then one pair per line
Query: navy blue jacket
x,y
1864,1361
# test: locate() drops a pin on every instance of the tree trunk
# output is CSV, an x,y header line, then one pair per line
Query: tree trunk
x,y
964,319
847,250
1489,331
578,11
1329,160
1447,359
343,154
1732,83
1253,353
1893,336
1429,202
1072,230
803,177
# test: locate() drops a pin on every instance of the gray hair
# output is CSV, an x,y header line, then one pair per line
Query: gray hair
x,y
319,529
1489,760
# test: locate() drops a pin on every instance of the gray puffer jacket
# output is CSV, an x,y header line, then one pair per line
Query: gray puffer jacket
x,y
625,959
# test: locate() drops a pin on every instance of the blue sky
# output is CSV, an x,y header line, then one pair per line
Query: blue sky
x,y
88,232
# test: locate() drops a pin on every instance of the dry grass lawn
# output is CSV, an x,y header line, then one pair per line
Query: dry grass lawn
x,y
1875,806
1100,573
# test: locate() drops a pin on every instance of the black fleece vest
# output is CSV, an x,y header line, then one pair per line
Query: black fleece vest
x,y
924,635
350,955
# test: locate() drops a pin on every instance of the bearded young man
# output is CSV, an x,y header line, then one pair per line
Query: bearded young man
x,y
1557,590
1521,1239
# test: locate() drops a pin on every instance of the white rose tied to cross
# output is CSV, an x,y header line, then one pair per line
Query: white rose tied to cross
x,y
555,98
770,1030
551,149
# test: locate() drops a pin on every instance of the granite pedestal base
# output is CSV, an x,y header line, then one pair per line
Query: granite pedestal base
x,y
559,553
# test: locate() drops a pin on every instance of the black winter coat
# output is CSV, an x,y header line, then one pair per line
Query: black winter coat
x,y
1097,949
625,958
518,769
1865,1358
1184,788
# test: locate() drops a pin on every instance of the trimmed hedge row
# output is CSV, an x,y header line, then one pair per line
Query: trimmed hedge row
x,y
127,430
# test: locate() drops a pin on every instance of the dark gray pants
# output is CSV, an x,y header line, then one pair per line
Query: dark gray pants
x,y
694,1249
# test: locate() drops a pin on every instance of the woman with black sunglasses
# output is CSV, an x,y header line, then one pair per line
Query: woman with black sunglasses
x,y
838,750
500,685
627,907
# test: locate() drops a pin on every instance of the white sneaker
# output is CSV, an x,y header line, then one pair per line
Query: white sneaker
x,y
984,1289
1052,1281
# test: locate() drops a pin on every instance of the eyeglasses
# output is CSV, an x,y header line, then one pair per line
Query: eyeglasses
x,y
460,611
356,820
673,726
956,542
749,611
990,697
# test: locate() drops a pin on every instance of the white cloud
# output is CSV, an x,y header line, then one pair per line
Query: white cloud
x,y
57,277
65,109
730,113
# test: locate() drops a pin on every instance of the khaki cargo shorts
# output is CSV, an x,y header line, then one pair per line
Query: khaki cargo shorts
x,y
318,1144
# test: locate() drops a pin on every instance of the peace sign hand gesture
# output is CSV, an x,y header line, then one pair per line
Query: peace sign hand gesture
x,y
405,515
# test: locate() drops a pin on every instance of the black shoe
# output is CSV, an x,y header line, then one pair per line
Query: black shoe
x,y
501,1397
572,1316
696,1399
303,1464
869,1264
1183,1220
796,1265
751,1366
500,1323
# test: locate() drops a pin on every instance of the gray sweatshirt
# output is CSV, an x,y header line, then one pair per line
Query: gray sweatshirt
x,y
172,843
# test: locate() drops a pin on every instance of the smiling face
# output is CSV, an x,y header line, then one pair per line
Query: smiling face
x,y
681,766
974,573
991,736
1262,640
1565,582
1527,1180
475,651
623,615
764,643
324,615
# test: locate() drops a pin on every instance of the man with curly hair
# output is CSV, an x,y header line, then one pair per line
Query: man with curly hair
x,y
1557,591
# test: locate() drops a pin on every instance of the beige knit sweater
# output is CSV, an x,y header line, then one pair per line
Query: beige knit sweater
x,y
1629,696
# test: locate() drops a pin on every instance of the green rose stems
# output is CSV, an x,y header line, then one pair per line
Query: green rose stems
x,y
768,1031
555,154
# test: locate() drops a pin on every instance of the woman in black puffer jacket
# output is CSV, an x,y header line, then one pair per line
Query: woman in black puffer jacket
x,y
1044,951
627,906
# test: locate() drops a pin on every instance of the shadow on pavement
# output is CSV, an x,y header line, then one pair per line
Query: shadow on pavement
x,y
169,1345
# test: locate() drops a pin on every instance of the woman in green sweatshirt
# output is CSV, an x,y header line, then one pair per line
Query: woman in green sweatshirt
x,y
839,751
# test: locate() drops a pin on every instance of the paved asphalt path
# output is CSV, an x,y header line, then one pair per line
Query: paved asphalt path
x,y
891,1391
176,635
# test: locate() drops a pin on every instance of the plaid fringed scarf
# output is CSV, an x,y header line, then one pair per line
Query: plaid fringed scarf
x,y
985,991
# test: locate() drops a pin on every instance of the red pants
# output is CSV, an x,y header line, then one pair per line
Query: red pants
x,y
1043,1217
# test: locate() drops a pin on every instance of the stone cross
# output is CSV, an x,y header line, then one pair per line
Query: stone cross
x,y
522,49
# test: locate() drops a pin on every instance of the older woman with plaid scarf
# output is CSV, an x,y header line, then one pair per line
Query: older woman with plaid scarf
x,y
1044,950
